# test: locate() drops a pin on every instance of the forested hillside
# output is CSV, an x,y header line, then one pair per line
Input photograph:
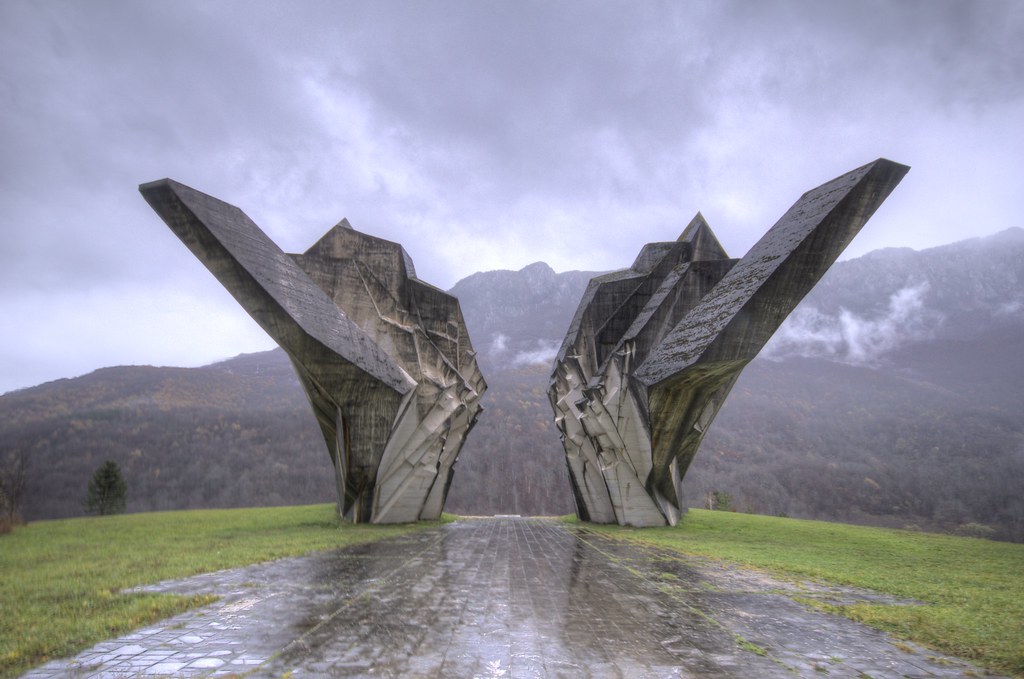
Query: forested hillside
x,y
893,395
234,434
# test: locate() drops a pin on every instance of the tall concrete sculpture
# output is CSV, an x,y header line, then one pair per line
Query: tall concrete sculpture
x,y
653,350
385,358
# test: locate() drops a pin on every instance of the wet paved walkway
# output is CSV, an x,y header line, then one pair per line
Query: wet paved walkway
x,y
503,597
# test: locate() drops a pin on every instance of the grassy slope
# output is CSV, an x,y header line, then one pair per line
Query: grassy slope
x,y
974,588
60,580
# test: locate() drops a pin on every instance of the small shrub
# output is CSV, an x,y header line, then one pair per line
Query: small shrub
x,y
107,490
719,501
975,530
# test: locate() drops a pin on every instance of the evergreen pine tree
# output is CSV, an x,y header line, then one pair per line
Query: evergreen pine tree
x,y
107,490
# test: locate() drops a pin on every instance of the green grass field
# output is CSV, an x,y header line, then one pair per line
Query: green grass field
x,y
974,589
60,580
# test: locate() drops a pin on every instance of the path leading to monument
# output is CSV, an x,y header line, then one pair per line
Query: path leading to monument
x,y
503,597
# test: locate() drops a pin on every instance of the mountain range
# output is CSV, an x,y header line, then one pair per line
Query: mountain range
x,y
892,396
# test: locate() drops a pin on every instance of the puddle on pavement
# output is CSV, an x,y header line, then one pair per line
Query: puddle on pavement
x,y
505,593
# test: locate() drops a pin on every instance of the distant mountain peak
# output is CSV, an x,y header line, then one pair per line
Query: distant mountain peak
x,y
889,253
537,267
1014,234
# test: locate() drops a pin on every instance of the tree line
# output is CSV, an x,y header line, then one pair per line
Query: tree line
x,y
801,438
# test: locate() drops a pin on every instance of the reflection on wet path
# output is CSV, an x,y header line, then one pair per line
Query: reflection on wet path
x,y
490,597
502,598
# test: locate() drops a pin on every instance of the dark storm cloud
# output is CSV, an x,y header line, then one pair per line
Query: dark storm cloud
x,y
481,135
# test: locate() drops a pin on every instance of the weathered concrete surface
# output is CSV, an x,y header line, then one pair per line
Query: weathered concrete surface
x,y
654,350
384,357
505,598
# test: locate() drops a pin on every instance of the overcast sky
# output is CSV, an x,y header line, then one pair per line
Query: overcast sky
x,y
480,135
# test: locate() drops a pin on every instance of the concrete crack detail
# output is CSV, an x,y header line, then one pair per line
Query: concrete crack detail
x,y
654,350
384,358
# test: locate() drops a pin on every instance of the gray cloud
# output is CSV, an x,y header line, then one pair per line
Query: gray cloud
x,y
498,346
544,354
851,338
481,135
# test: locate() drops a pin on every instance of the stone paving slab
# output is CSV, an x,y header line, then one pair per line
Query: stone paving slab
x,y
509,598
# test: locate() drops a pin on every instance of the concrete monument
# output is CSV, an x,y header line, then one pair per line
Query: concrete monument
x,y
384,357
653,350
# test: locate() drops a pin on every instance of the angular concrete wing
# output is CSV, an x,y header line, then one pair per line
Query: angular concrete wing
x,y
385,359
653,350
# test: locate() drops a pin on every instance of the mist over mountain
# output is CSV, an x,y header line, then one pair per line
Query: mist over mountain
x,y
868,307
519,316
892,395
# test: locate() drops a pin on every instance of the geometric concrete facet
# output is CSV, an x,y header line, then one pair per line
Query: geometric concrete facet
x,y
384,358
653,350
